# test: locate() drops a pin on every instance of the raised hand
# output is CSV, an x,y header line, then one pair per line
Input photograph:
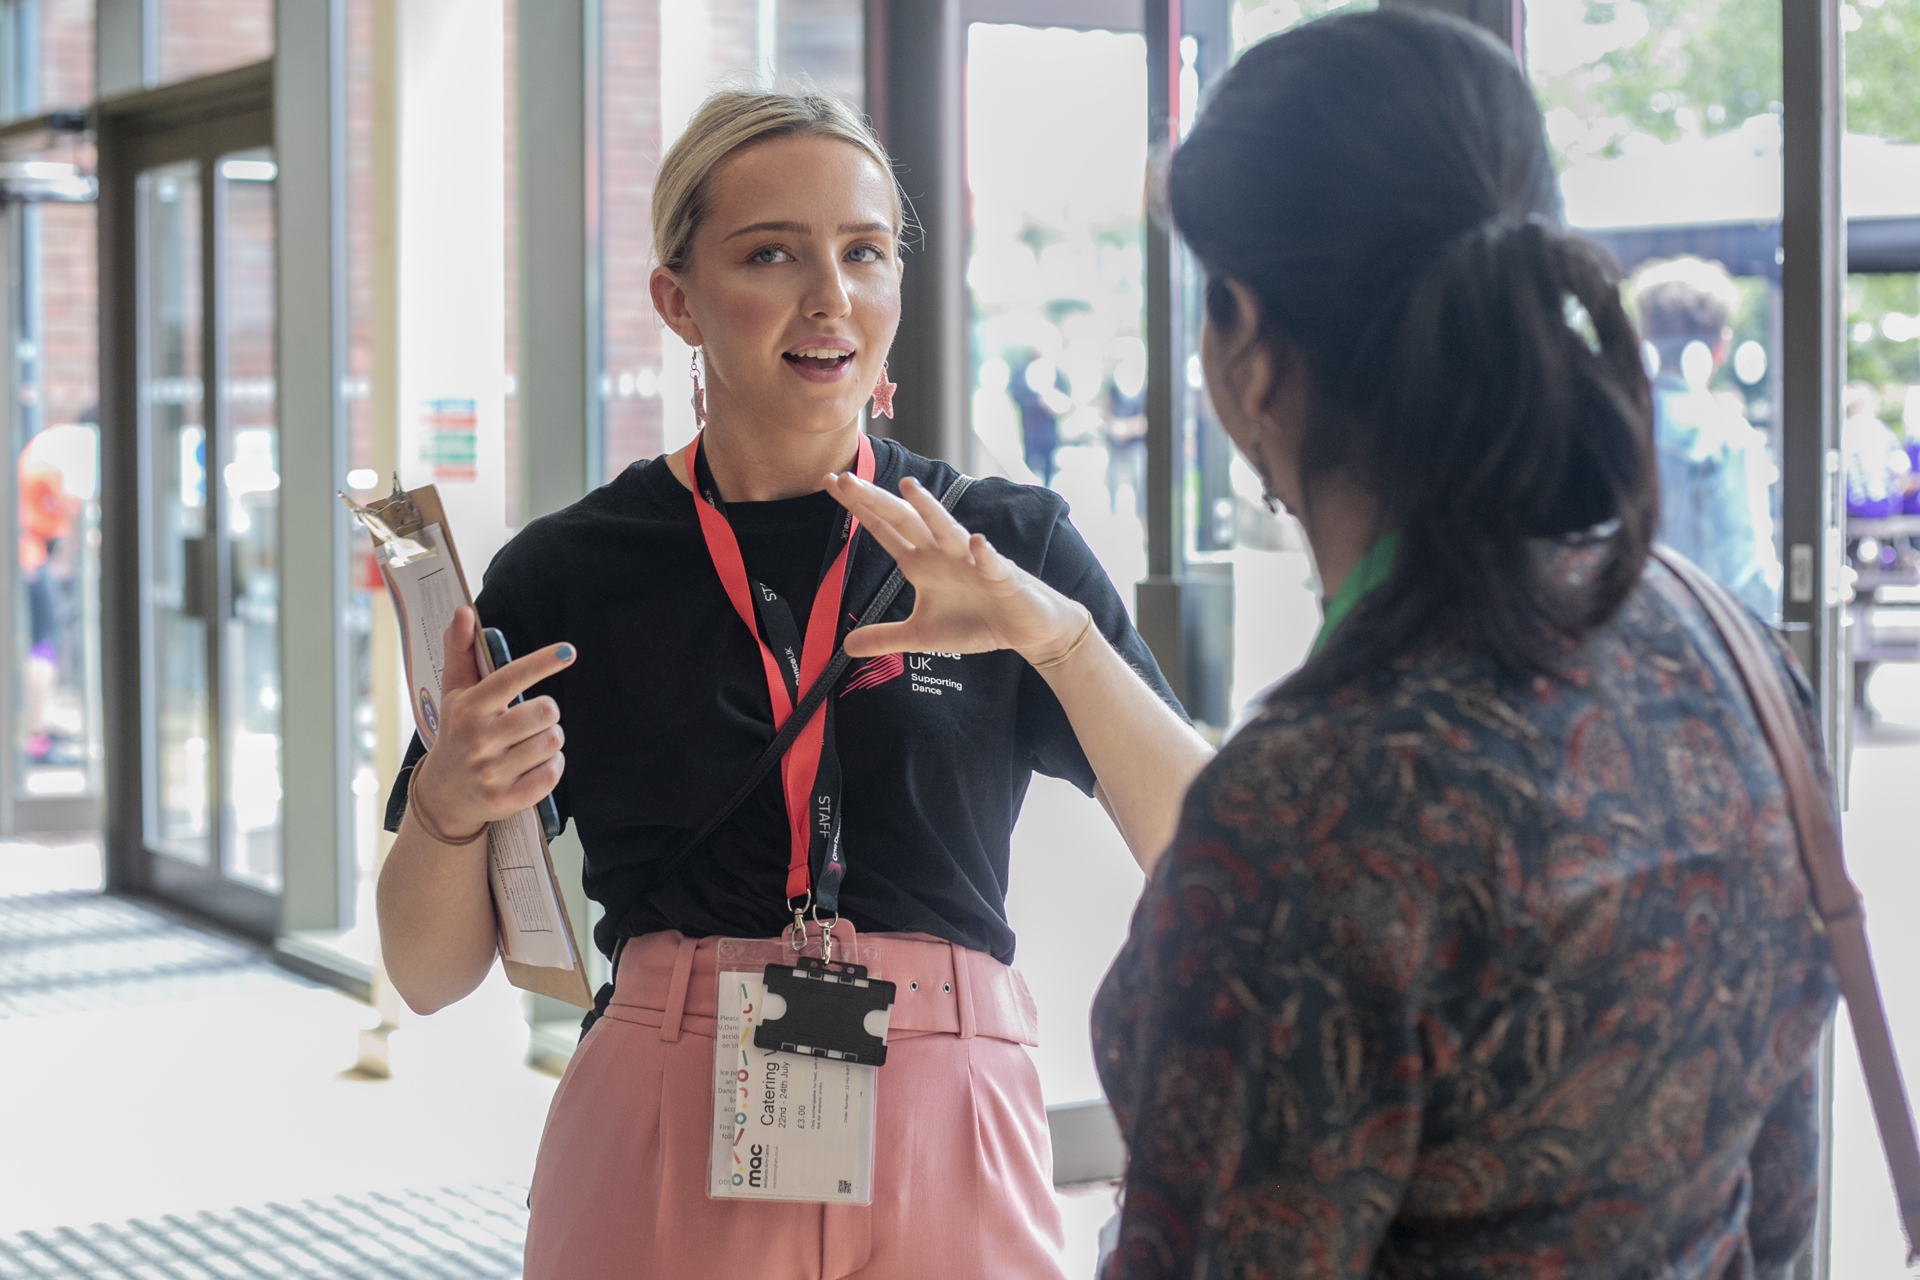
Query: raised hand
x,y
968,598
490,760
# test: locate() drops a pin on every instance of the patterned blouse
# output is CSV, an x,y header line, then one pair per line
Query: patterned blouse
x,y
1453,974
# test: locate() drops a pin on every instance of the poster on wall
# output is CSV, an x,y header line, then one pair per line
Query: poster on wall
x,y
449,440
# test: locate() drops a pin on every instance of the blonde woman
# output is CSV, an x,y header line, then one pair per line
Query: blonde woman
x,y
669,621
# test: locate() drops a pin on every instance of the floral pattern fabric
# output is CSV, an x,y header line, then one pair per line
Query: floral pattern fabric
x,y
1455,974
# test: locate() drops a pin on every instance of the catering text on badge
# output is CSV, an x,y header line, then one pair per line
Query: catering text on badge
x,y
785,1126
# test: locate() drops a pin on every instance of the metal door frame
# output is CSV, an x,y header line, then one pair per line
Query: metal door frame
x,y
200,120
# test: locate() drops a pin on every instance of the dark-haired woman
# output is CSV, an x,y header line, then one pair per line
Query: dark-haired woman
x,y
1483,951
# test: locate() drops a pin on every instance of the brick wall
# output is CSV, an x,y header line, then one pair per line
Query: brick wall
x,y
69,311
822,38
69,314
66,53
629,156
202,36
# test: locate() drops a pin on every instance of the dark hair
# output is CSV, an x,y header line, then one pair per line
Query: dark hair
x,y
1680,301
1382,182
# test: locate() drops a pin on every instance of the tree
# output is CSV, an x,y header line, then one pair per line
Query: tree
x,y
1883,68
1664,69
1703,66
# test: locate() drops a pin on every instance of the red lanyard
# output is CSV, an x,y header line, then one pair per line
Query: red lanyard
x,y
802,761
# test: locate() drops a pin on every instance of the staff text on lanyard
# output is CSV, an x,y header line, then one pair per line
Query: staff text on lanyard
x,y
810,770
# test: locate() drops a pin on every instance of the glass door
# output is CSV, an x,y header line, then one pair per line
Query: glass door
x,y
1057,291
1055,273
249,705
1057,320
204,259
51,777
179,724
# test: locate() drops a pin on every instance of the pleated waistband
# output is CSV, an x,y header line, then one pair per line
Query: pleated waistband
x,y
667,980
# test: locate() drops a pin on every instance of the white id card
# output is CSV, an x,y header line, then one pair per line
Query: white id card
x,y
785,1127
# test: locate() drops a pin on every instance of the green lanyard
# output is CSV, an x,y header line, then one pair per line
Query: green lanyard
x,y
1374,568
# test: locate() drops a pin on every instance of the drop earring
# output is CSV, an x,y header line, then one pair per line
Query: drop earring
x,y
699,393
883,394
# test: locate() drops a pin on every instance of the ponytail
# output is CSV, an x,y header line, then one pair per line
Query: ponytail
x,y
1506,404
1381,181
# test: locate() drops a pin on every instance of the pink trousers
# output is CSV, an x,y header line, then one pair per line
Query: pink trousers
x,y
963,1170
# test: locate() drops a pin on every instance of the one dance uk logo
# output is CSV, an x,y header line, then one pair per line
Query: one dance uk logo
x,y
922,675
875,672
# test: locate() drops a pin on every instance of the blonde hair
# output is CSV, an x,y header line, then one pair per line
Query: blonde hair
x,y
725,123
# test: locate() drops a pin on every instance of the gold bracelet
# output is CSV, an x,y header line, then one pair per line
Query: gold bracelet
x,y
427,824
1072,648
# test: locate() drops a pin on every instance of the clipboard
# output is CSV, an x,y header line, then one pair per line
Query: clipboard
x,y
413,546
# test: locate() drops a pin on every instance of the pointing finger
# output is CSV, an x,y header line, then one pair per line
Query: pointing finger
x,y
514,679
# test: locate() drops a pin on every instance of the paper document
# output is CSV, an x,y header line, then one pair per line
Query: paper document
x,y
785,1126
533,929
422,570
426,591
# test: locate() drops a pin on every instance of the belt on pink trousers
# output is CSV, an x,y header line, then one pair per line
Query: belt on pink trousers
x,y
666,980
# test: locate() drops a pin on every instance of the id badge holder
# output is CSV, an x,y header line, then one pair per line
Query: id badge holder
x,y
825,1009
790,1125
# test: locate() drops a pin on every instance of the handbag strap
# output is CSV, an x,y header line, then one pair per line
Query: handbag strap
x,y
802,712
1841,912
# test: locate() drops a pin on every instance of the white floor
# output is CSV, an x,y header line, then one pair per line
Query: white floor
x,y
174,1106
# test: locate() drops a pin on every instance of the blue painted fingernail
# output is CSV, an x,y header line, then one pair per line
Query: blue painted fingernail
x,y
564,653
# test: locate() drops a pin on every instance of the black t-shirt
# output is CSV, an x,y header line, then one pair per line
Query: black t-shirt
x,y
666,708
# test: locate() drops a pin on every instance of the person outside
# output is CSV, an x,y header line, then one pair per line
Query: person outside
x,y
1484,950
661,621
1039,389
1126,392
47,512
1715,475
1878,473
1878,470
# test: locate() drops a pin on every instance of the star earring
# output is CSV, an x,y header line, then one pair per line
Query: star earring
x,y
883,394
699,393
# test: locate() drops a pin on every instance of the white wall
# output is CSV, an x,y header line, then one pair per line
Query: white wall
x,y
452,250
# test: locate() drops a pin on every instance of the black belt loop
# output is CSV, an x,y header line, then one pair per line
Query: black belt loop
x,y
604,997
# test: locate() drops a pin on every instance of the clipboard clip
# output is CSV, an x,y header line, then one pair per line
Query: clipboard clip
x,y
393,521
